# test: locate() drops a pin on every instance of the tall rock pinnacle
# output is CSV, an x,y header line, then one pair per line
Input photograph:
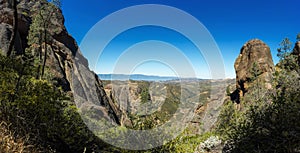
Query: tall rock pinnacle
x,y
254,55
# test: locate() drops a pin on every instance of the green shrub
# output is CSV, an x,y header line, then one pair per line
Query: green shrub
x,y
269,123
41,111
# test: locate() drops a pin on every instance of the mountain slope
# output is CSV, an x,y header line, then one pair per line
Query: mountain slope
x,y
65,62
66,68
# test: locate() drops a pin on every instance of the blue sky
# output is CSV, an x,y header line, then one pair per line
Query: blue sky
x,y
230,22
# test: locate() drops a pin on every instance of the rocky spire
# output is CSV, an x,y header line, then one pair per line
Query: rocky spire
x,y
255,55
296,51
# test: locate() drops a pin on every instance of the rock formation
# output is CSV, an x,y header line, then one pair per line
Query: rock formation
x,y
296,51
65,61
127,96
255,54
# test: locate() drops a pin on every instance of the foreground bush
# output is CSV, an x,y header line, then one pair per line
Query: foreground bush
x,y
270,123
40,112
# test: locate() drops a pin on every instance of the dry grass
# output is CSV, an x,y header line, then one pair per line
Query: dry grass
x,y
12,143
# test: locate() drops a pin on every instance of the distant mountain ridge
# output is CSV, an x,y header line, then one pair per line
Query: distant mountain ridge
x,y
138,77
142,77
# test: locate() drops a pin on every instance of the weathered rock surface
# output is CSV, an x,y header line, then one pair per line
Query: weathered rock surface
x,y
65,61
253,52
127,96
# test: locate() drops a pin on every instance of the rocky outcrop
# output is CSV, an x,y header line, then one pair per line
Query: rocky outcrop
x,y
256,56
67,66
296,51
6,22
128,97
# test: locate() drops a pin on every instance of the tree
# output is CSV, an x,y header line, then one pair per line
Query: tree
x,y
288,61
298,37
46,16
39,37
35,44
255,72
285,48
15,27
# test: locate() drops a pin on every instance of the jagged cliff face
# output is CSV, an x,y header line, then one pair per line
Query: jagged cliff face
x,y
254,52
65,61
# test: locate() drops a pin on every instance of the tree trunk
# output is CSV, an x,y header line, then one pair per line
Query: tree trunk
x,y
15,28
40,60
46,50
46,25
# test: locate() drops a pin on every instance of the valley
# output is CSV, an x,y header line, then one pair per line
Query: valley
x,y
156,102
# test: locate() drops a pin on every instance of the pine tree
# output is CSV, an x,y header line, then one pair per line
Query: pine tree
x,y
255,72
285,48
35,44
39,35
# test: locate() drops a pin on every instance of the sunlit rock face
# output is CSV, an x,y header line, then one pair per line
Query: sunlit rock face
x,y
254,52
65,62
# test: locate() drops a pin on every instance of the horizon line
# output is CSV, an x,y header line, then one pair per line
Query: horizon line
x,y
164,76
